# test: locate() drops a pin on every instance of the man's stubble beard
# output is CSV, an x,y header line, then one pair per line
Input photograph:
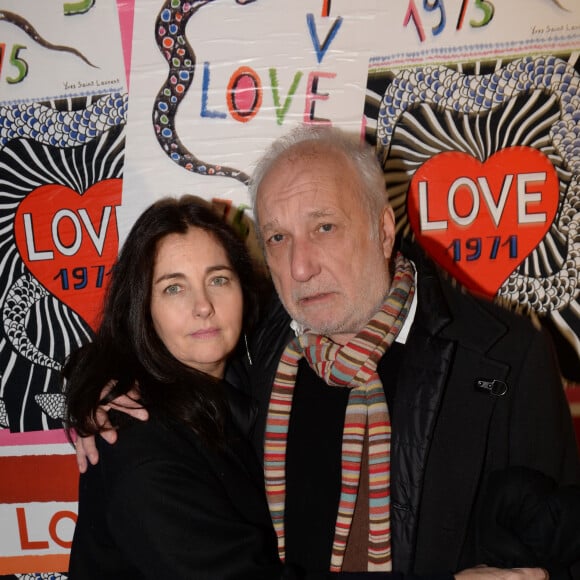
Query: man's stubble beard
x,y
357,318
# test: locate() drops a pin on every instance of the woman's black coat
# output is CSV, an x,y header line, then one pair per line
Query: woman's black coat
x,y
161,504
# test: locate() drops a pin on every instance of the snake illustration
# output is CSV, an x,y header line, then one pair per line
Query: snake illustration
x,y
447,89
172,42
561,6
50,126
29,30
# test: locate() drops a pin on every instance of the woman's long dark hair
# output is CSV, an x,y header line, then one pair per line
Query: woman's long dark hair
x,y
126,347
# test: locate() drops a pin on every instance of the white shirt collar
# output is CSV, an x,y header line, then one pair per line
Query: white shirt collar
x,y
406,328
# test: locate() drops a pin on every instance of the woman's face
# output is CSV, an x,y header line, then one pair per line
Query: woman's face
x,y
196,300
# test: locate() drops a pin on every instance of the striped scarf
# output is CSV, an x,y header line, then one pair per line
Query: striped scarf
x,y
353,365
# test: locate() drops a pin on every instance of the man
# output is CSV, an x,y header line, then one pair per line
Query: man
x,y
328,235
452,388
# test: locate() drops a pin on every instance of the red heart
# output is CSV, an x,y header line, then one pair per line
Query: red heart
x,y
69,242
480,220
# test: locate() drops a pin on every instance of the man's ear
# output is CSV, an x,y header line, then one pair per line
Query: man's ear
x,y
387,231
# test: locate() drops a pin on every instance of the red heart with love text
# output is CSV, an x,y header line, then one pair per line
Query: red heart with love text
x,y
480,220
69,241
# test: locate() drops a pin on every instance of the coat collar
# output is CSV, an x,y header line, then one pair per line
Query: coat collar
x,y
442,314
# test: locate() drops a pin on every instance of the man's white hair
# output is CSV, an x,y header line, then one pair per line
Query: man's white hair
x,y
372,180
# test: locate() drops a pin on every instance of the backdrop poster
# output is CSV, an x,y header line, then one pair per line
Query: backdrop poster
x,y
492,87
62,116
214,82
446,84
480,147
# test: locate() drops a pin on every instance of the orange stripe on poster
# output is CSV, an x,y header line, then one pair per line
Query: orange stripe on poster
x,y
38,478
24,564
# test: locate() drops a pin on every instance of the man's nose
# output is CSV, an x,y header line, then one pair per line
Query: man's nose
x,y
304,262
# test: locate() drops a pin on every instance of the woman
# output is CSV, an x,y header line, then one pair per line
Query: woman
x,y
180,495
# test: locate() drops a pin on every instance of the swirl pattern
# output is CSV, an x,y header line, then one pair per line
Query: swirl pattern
x,y
38,330
445,89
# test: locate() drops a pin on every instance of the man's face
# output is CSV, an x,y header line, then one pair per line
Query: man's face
x,y
330,272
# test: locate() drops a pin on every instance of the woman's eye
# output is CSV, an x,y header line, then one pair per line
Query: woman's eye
x,y
173,289
220,281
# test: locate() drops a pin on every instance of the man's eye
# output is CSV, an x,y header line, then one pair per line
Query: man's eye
x,y
326,228
275,239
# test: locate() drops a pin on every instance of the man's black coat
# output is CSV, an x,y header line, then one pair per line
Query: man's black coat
x,y
449,432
